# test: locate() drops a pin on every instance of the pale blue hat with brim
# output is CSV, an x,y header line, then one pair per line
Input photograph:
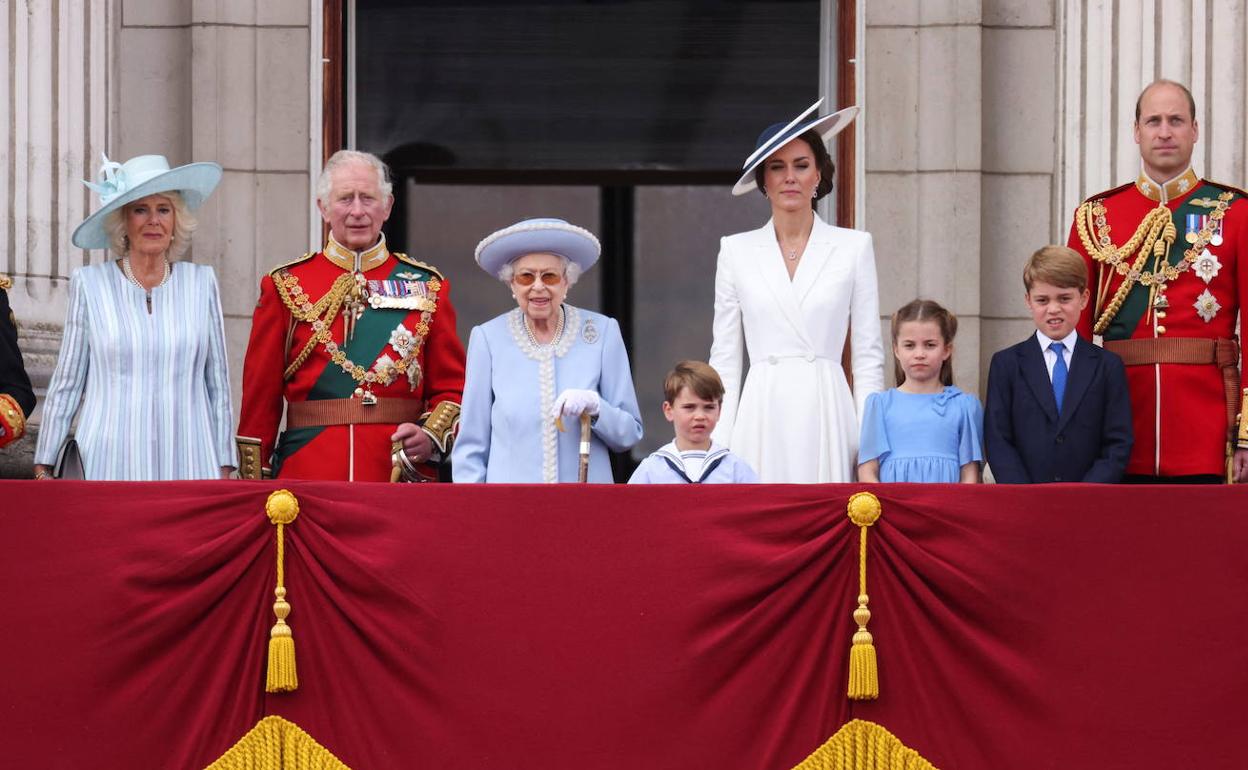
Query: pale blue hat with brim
x,y
778,135
530,236
139,177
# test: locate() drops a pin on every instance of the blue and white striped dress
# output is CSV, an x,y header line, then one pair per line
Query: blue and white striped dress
x,y
151,391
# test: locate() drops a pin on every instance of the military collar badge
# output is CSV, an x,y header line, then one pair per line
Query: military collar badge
x,y
1168,191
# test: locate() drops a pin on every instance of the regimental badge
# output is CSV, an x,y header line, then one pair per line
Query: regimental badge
x,y
404,294
1207,266
1206,306
383,361
589,332
402,340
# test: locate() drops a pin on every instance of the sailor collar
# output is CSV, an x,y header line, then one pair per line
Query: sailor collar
x,y
357,261
1165,192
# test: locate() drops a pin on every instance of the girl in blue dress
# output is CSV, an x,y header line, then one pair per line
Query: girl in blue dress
x,y
924,429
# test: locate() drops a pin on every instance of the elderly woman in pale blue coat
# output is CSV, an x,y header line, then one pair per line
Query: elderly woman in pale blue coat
x,y
542,361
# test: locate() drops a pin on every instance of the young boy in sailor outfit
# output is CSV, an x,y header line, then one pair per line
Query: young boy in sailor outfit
x,y
694,394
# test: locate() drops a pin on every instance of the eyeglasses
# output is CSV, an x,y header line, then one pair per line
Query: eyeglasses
x,y
549,277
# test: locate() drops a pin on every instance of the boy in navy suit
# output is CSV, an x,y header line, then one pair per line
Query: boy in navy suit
x,y
1057,406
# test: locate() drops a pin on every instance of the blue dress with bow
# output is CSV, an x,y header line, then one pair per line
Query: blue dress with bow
x,y
925,437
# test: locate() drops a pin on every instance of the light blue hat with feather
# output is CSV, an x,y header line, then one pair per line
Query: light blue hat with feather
x,y
139,177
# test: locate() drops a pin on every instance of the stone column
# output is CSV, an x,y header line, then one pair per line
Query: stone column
x,y
54,122
1110,50
249,109
924,161
1020,162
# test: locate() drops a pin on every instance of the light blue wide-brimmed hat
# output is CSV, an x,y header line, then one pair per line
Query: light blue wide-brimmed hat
x,y
779,134
139,177
552,236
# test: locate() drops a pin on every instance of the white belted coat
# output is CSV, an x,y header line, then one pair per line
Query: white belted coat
x,y
795,419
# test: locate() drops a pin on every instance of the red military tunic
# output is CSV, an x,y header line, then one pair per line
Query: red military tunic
x,y
402,345
1179,410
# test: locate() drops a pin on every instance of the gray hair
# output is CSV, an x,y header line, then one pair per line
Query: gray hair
x,y
325,182
571,270
184,223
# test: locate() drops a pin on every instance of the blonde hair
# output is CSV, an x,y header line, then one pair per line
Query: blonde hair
x,y
1058,266
926,310
184,223
698,377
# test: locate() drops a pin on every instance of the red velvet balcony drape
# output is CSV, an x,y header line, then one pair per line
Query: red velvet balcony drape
x,y
610,627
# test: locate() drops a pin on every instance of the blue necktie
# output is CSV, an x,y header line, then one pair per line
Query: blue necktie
x,y
1059,374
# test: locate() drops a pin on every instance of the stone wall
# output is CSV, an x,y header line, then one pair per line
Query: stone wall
x,y
223,80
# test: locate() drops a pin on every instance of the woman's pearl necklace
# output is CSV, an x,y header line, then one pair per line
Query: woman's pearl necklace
x,y
528,328
125,268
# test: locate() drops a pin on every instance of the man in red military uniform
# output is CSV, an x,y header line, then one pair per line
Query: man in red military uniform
x,y
1168,259
358,343
17,399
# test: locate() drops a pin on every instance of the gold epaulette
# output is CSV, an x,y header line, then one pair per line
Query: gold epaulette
x,y
293,262
6,282
417,263
441,424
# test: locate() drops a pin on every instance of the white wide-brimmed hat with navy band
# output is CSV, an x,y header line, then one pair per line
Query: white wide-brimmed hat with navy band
x,y
778,135
139,177
532,236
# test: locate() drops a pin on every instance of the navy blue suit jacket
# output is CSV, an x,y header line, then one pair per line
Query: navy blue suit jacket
x,y
1027,441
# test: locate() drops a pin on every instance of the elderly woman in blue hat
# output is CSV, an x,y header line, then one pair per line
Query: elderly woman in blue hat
x,y
789,294
142,361
543,361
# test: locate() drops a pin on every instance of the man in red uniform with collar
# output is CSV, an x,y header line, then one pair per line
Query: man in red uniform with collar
x,y
358,343
1168,261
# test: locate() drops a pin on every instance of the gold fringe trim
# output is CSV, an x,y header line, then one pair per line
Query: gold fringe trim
x,y
863,745
281,508
864,679
275,744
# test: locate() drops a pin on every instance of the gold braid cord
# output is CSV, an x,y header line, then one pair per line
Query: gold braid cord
x,y
281,509
1153,238
864,678
275,744
321,315
862,745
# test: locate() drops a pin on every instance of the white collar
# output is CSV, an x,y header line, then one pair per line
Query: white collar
x,y
1068,341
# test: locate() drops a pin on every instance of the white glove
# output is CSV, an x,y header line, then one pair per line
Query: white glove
x,y
574,403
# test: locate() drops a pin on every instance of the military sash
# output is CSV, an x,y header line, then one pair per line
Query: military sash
x,y
1149,287
369,339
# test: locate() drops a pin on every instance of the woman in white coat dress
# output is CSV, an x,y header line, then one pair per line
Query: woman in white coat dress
x,y
791,291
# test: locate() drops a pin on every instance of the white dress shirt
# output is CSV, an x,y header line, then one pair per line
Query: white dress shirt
x,y
1050,357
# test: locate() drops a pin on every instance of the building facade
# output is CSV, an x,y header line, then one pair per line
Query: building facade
x,y
984,123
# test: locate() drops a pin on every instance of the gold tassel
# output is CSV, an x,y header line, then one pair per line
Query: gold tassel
x,y
864,678
281,508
